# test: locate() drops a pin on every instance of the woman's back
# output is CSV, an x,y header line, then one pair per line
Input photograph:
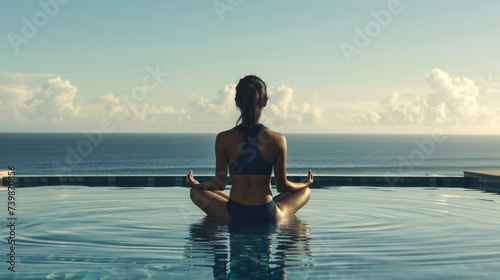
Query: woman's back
x,y
251,189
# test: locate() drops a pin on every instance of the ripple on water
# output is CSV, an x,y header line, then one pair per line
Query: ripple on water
x,y
344,232
409,228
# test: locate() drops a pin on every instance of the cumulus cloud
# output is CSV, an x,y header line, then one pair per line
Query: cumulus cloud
x,y
282,109
51,102
451,101
221,109
54,102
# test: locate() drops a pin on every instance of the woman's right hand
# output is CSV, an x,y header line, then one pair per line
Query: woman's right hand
x,y
310,179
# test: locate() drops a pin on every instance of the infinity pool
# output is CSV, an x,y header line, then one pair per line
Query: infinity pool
x,y
74,232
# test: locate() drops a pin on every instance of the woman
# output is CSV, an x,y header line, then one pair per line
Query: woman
x,y
250,150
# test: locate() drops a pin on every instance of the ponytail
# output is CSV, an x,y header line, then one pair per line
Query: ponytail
x,y
250,96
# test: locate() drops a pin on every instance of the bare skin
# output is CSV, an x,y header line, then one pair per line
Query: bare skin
x,y
250,189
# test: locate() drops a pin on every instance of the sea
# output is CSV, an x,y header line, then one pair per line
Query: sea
x,y
178,153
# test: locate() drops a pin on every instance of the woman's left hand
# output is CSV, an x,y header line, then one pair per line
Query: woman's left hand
x,y
190,181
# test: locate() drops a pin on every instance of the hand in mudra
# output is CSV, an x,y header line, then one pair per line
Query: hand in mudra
x,y
190,181
310,178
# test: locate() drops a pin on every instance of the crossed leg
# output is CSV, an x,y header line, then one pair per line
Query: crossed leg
x,y
288,203
213,203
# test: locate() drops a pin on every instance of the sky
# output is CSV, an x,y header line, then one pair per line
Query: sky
x,y
388,67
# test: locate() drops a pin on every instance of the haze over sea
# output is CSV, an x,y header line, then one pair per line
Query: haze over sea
x,y
176,154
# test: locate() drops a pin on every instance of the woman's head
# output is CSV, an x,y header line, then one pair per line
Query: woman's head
x,y
251,98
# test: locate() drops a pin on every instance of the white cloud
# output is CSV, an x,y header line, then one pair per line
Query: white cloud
x,y
451,101
54,102
51,102
283,110
222,109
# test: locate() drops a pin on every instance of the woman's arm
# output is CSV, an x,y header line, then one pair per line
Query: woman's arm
x,y
219,182
282,183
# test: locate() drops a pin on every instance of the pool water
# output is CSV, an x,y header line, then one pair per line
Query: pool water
x,y
76,232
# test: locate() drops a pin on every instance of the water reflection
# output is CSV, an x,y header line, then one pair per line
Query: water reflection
x,y
257,250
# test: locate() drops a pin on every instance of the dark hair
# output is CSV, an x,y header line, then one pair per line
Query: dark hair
x,y
251,94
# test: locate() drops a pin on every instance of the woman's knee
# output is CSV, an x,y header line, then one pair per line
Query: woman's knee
x,y
304,194
199,199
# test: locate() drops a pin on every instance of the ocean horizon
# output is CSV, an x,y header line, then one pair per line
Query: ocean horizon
x,y
177,153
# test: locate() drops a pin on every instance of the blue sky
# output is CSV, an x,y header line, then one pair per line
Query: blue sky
x,y
433,65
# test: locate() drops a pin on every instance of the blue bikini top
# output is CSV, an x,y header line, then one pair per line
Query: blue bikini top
x,y
250,160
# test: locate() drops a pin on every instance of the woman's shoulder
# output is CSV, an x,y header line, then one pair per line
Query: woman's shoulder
x,y
273,133
277,137
226,134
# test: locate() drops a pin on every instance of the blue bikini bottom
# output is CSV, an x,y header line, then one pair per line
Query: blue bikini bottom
x,y
248,212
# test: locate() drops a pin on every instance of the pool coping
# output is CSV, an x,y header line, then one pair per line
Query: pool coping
x,y
483,180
